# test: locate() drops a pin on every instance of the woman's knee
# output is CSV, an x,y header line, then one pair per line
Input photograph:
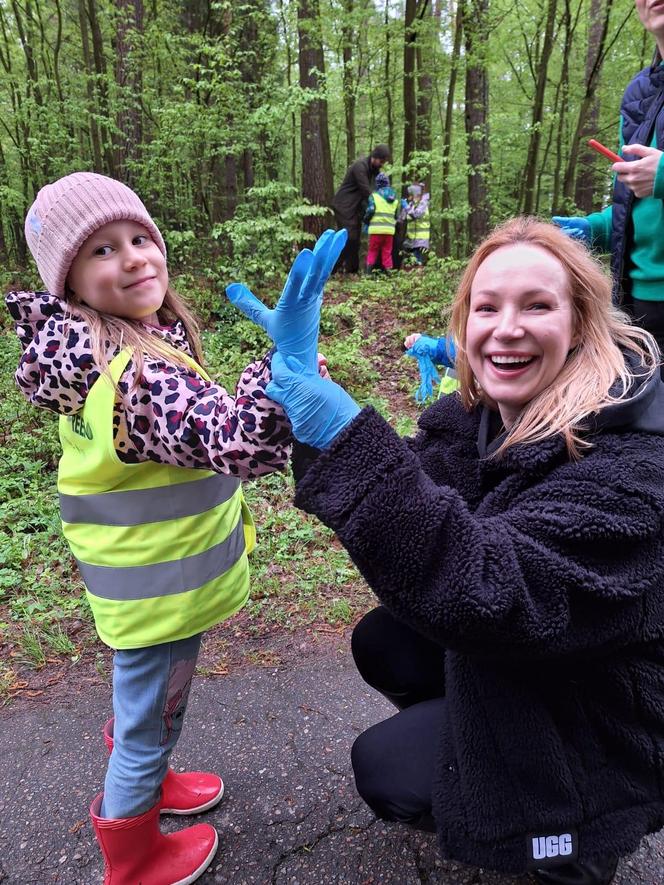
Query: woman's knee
x,y
395,660
370,775
383,788
366,643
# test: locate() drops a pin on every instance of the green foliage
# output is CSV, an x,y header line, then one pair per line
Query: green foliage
x,y
337,319
339,612
350,367
265,233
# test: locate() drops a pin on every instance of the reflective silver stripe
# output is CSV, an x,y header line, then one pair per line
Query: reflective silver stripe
x,y
419,231
140,506
450,373
164,578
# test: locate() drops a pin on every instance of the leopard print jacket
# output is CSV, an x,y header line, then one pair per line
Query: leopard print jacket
x,y
171,415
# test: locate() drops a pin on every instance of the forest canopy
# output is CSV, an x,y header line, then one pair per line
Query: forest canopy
x,y
235,121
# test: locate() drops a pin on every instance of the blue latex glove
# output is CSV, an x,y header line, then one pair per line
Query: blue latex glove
x,y
317,409
428,378
440,350
293,323
424,346
365,228
575,227
404,203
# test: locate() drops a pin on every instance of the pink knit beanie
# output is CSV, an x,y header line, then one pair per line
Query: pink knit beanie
x,y
65,213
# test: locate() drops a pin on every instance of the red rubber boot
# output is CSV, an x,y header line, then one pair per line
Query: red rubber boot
x,y
136,851
187,792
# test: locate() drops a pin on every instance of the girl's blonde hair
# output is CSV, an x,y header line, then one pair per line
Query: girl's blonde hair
x,y
593,366
109,334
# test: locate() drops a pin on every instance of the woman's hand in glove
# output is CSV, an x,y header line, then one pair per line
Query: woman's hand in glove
x,y
318,409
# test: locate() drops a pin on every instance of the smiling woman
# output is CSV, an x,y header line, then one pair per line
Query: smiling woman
x,y
516,546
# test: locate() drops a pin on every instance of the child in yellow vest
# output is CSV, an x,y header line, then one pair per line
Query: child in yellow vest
x,y
415,212
381,218
162,547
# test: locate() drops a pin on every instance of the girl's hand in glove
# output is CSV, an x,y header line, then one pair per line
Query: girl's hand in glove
x,y
293,323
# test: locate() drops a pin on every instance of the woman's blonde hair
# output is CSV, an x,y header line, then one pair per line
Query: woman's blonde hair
x,y
593,366
109,334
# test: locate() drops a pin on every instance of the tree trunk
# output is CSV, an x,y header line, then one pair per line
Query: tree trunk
x,y
102,85
314,134
585,179
446,239
477,119
348,37
19,144
424,89
409,97
24,29
538,110
289,75
592,78
248,168
563,95
4,214
39,166
95,137
128,76
388,75
229,189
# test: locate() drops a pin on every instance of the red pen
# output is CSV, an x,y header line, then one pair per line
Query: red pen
x,y
595,145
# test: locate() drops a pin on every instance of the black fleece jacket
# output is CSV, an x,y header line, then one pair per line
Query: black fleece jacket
x,y
543,581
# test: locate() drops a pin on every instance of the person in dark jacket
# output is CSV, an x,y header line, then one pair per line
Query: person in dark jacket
x,y
630,228
351,198
516,545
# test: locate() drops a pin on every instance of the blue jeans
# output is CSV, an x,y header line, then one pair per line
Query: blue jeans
x,y
150,693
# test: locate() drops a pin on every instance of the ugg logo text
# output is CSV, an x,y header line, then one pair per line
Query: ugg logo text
x,y
552,846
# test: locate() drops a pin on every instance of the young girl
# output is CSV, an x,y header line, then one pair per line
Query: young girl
x,y
162,548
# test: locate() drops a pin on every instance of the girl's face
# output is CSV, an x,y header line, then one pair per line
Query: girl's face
x,y
520,327
120,270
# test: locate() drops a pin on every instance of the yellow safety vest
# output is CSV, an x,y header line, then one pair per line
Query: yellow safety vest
x,y
448,383
162,549
419,228
383,221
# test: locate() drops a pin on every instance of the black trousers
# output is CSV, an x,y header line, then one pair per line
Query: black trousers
x,y
350,257
394,760
650,316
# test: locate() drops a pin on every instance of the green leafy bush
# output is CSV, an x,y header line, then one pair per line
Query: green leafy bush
x,y
265,233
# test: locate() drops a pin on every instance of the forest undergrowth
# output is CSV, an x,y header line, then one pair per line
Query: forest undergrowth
x,y
304,586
